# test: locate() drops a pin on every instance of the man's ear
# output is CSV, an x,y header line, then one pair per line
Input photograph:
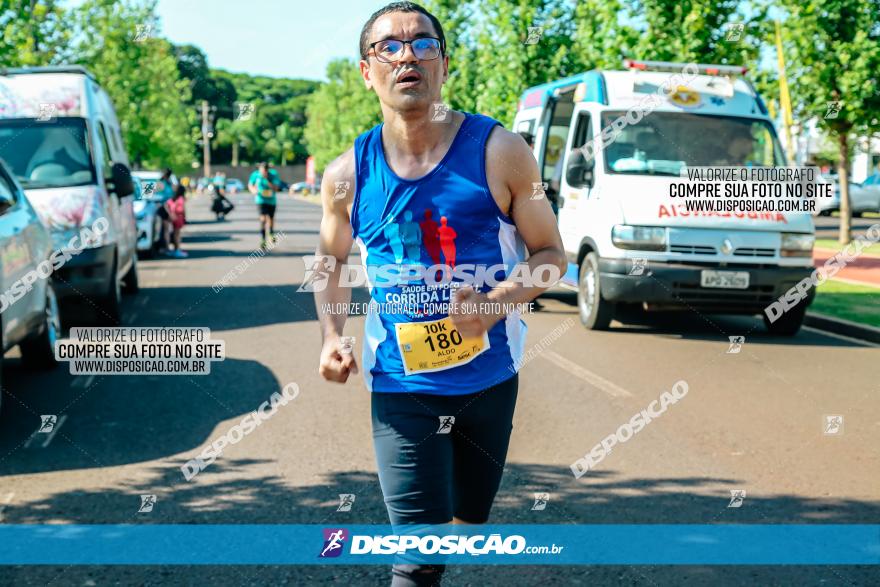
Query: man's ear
x,y
445,67
365,73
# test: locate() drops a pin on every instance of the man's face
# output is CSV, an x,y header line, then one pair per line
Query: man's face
x,y
408,83
264,171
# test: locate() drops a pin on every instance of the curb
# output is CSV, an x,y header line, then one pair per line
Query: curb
x,y
844,327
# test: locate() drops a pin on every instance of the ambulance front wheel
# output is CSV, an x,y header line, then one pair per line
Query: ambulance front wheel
x,y
596,313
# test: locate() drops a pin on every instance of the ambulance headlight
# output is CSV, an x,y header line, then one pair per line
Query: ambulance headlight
x,y
644,238
797,245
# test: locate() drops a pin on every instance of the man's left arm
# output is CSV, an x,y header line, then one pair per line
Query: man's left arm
x,y
514,180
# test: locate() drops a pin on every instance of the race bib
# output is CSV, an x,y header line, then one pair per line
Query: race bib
x,y
436,345
267,193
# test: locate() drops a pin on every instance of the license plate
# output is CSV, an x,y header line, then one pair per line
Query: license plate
x,y
724,279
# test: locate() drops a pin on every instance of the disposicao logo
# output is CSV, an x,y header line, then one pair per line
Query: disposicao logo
x,y
334,539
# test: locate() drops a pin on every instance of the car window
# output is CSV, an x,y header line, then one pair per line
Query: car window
x,y
8,193
106,160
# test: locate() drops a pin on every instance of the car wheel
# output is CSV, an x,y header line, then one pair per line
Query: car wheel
x,y
130,283
595,313
38,351
110,304
789,323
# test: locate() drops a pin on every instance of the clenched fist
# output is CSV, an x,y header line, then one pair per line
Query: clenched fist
x,y
469,312
336,364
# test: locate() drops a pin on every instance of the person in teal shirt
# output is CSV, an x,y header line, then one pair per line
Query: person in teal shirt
x,y
264,183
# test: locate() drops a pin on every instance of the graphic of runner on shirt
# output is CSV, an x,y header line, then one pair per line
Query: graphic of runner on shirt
x,y
430,237
447,241
411,236
392,233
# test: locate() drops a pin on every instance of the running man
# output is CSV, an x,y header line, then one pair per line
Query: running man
x,y
476,177
264,183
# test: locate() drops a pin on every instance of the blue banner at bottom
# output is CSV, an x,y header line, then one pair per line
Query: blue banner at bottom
x,y
611,544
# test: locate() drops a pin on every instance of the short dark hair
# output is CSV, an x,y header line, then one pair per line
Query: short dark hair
x,y
399,7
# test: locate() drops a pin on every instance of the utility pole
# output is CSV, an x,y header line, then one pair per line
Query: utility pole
x,y
206,139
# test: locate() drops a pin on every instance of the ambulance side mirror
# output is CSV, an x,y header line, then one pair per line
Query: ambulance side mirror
x,y
579,171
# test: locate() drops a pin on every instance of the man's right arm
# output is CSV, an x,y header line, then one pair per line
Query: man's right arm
x,y
335,241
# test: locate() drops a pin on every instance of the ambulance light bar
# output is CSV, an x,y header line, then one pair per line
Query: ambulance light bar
x,y
670,66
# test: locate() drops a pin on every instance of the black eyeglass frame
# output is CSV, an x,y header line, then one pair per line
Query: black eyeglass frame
x,y
372,47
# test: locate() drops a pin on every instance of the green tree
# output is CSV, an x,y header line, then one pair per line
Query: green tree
x,y
284,136
276,102
500,47
34,32
833,62
602,38
234,134
698,30
338,112
115,40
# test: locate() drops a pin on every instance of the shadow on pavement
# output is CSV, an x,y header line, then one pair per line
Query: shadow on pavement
x,y
218,496
234,306
121,419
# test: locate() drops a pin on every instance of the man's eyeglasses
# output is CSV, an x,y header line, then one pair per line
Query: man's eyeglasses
x,y
424,48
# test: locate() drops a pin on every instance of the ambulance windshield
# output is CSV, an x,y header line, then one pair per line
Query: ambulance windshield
x,y
662,143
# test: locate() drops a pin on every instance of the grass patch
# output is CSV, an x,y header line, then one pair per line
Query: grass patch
x,y
864,214
856,303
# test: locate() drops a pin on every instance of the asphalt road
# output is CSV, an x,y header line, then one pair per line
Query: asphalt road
x,y
751,421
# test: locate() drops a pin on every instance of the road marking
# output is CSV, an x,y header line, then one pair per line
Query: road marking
x,y
83,382
596,381
841,336
50,436
55,430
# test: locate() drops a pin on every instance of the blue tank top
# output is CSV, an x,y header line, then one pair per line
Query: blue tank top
x,y
438,231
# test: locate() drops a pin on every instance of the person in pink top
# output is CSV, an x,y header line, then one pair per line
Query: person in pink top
x,y
176,207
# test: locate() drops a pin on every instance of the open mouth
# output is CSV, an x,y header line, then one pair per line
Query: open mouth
x,y
410,76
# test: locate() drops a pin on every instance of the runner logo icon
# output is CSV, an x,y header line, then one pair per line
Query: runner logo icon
x,y
346,500
334,538
446,423
318,270
47,423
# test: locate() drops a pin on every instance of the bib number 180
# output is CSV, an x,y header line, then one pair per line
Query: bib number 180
x,y
436,345
443,340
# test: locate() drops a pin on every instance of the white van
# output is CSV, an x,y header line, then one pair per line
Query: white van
x,y
60,136
629,244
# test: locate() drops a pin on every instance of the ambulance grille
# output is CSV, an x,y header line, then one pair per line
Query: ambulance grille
x,y
753,252
692,249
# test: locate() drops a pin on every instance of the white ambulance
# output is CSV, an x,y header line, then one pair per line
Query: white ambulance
x,y
631,246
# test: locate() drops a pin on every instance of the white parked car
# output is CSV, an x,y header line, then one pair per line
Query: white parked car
x,y
29,314
60,136
863,197
627,241
149,181
149,224
871,187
